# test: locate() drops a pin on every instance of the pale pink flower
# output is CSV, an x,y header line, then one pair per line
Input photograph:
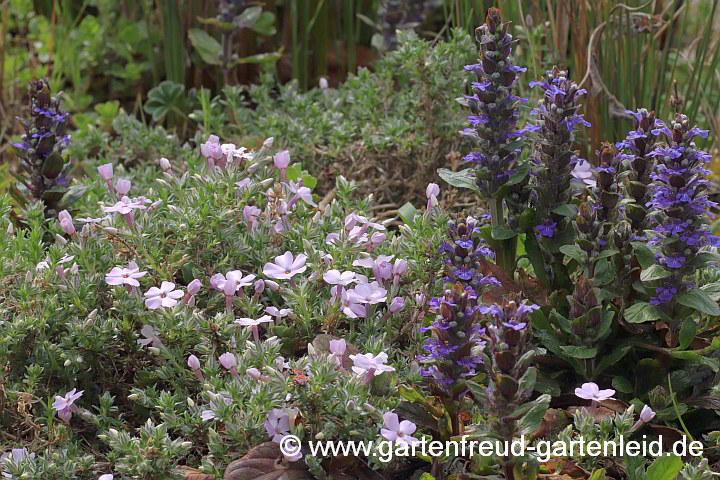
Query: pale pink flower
x,y
351,308
396,431
255,374
590,391
299,193
281,160
334,277
367,293
253,324
65,406
164,297
431,192
66,223
211,149
583,173
278,313
397,305
646,415
122,187
228,360
277,424
250,214
151,337
369,365
125,276
286,266
106,173
126,206
337,350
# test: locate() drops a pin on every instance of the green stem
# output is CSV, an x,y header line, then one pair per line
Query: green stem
x,y
505,255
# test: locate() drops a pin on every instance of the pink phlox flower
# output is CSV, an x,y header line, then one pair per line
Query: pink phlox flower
x,y
590,391
250,214
212,149
286,266
334,277
369,365
367,293
125,206
351,308
278,313
397,431
299,193
66,405
125,276
164,297
122,187
277,424
151,337
249,322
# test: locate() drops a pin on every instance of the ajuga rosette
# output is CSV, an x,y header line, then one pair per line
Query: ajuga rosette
x,y
509,333
680,203
639,145
553,156
42,165
494,107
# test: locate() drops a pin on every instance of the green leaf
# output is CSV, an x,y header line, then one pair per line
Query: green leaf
x,y
545,384
536,258
527,381
407,212
654,272
579,351
500,232
217,23
611,358
664,468
521,172
598,474
622,384
165,98
713,290
207,47
534,417
566,210
607,253
687,333
644,255
458,179
574,252
700,301
265,25
696,358
703,259
248,17
642,312
259,58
